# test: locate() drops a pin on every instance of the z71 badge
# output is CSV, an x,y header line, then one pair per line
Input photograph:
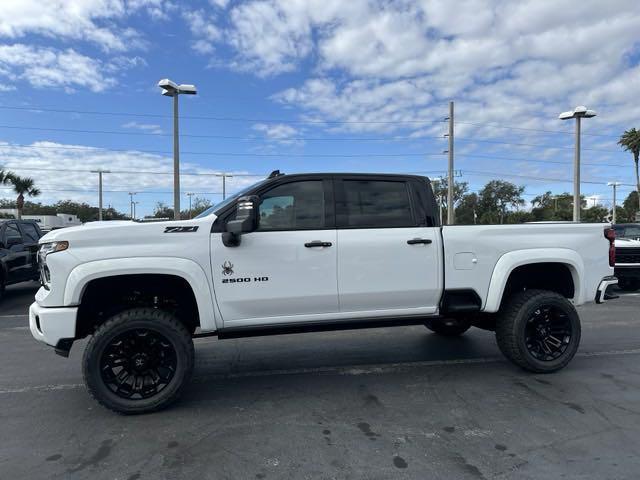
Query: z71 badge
x,y
180,229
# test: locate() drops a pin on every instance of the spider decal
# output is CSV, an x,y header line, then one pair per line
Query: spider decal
x,y
227,268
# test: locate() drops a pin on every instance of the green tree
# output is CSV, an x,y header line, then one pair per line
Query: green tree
x,y
440,188
495,199
630,141
161,210
467,209
22,186
549,207
595,214
627,214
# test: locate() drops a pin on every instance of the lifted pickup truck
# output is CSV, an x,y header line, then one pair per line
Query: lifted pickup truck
x,y
308,252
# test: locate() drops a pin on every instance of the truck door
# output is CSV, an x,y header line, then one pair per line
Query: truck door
x,y
285,271
31,235
389,259
17,258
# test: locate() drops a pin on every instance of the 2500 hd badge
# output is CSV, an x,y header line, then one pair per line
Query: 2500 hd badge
x,y
227,269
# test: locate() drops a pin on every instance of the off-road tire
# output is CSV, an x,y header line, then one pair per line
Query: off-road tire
x,y
512,321
448,327
153,320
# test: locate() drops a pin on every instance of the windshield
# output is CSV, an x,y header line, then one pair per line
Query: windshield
x,y
628,231
229,200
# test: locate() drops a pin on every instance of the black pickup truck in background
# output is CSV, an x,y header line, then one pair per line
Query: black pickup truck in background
x,y
18,252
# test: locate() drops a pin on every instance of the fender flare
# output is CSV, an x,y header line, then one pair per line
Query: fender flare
x,y
189,270
508,262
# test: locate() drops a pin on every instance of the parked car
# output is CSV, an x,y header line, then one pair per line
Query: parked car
x,y
308,252
18,252
628,256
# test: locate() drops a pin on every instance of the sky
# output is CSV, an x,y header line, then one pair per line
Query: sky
x,y
313,86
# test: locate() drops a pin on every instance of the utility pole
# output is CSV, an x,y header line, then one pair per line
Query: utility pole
x,y
190,195
224,183
615,186
131,194
100,172
450,205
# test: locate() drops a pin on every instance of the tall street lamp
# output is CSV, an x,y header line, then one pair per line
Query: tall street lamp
x,y
615,186
171,89
578,113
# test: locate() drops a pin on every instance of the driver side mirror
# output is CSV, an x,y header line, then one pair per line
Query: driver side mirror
x,y
246,220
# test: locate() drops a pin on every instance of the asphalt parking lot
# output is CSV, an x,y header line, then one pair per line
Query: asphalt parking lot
x,y
367,404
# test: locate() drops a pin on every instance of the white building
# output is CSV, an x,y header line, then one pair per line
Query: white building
x,y
47,222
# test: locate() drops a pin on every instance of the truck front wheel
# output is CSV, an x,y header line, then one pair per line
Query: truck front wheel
x,y
138,361
448,327
538,330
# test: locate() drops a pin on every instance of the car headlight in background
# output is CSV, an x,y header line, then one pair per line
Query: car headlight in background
x,y
47,249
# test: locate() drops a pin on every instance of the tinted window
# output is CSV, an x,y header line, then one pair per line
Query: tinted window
x,y
293,206
30,232
629,231
12,232
377,204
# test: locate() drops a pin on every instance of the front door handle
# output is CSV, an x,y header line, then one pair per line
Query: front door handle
x,y
415,241
317,243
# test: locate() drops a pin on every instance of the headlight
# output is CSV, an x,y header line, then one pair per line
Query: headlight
x,y
47,249
52,247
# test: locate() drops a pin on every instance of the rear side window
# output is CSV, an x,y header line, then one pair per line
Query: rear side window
x,y
374,204
12,232
30,232
293,206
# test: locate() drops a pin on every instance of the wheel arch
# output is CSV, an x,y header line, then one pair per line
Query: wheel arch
x,y
519,260
188,271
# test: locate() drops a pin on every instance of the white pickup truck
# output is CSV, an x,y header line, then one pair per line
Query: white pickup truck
x,y
308,252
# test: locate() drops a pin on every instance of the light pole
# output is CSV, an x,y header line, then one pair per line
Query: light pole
x,y
134,208
100,172
190,195
131,194
578,113
171,89
615,186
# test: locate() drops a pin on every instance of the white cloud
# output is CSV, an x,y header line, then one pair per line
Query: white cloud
x,y
72,178
51,68
279,133
144,127
204,28
395,60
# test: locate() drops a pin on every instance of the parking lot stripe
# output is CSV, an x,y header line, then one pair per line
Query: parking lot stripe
x,y
344,370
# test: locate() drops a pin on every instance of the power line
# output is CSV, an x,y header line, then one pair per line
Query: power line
x,y
508,127
223,119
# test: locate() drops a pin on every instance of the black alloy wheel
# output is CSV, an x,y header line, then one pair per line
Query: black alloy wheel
x,y
138,361
138,364
548,333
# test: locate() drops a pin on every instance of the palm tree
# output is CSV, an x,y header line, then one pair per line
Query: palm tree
x,y
22,186
630,141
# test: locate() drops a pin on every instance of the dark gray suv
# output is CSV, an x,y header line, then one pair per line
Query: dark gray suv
x,y
18,252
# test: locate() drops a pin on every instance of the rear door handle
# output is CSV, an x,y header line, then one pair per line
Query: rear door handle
x,y
317,243
415,241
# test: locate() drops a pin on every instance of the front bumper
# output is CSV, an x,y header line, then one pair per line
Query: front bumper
x,y
54,326
601,294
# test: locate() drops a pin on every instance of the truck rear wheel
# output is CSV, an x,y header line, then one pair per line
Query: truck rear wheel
x,y
448,327
538,330
138,361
